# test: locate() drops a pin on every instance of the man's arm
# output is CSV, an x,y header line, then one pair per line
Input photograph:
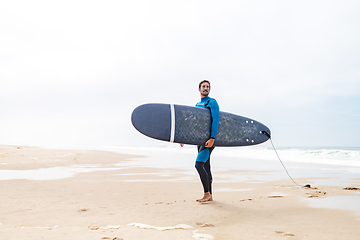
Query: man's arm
x,y
215,116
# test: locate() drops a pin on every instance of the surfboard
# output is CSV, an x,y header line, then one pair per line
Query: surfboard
x,y
191,125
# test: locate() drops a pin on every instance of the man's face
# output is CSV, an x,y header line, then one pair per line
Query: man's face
x,y
204,89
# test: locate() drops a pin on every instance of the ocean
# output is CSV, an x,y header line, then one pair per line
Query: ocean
x,y
337,166
334,156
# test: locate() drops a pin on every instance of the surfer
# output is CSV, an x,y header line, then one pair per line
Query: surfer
x,y
202,163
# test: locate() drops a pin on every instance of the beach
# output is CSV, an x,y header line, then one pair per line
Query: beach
x,y
133,194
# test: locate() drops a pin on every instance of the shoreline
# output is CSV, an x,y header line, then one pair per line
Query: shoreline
x,y
107,191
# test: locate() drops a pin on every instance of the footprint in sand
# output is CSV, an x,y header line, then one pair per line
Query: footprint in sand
x,y
312,196
243,200
205,224
315,194
286,234
351,188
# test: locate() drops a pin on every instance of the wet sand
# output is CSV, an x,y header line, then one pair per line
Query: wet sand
x,y
83,194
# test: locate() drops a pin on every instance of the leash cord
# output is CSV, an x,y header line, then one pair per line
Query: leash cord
x,y
282,163
268,135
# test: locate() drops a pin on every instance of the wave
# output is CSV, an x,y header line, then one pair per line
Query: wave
x,y
329,156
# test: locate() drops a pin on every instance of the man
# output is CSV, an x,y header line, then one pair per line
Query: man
x,y
202,163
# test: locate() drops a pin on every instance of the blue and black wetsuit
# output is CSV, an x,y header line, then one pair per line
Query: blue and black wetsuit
x,y
202,163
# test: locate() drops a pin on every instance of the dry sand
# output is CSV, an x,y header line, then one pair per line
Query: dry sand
x,y
99,200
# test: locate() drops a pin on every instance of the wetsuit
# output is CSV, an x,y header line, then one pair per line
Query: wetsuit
x,y
202,163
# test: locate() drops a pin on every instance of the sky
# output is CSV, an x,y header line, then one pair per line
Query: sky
x,y
71,72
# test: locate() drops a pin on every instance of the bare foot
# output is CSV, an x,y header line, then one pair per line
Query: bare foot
x,y
201,199
206,198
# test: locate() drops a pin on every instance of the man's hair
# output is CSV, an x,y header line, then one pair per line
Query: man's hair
x,y
204,81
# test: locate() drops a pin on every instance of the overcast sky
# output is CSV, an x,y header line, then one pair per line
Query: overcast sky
x,y
71,72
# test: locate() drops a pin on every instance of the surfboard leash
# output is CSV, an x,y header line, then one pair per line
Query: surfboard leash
x,y
268,135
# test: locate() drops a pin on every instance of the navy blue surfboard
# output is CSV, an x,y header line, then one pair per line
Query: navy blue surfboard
x,y
191,125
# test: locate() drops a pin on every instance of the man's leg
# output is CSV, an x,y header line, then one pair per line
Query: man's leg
x,y
202,165
208,170
204,176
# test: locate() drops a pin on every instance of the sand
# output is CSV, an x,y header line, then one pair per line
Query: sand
x,y
82,194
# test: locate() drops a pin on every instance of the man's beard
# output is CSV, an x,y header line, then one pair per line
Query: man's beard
x,y
204,93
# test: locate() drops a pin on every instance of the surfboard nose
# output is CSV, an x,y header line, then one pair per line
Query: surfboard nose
x,y
153,120
266,133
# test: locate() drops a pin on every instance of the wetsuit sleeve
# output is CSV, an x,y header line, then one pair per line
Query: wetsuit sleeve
x,y
215,115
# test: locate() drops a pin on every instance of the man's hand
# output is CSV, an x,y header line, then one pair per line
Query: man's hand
x,y
210,143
